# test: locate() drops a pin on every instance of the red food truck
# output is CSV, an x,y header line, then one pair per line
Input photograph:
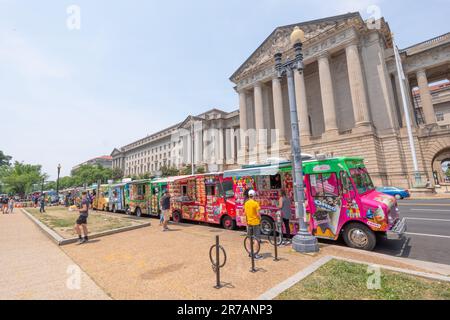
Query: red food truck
x,y
204,198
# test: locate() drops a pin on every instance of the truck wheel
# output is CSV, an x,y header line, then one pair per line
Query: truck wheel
x,y
138,212
359,236
267,225
228,223
176,217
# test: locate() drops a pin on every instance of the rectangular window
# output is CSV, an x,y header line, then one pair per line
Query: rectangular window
x,y
439,116
210,190
324,185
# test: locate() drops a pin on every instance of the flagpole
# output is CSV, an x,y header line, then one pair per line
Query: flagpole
x,y
401,79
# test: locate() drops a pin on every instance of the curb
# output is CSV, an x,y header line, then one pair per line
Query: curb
x,y
283,286
290,282
438,268
60,241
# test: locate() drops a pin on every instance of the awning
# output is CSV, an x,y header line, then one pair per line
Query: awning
x,y
250,172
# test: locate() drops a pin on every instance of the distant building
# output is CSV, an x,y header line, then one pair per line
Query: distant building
x,y
104,161
214,141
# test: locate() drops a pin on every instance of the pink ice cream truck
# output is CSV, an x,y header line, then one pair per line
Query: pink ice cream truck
x,y
341,200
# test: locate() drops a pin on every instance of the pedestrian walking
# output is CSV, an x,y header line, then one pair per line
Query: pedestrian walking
x,y
42,204
252,208
165,208
285,205
11,205
4,204
81,222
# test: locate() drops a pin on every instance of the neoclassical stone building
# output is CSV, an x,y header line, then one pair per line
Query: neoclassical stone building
x,y
209,139
348,97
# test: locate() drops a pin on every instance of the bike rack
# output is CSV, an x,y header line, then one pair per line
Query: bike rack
x,y
251,251
275,245
216,265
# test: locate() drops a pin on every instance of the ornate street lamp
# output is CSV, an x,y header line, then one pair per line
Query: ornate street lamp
x,y
57,183
303,241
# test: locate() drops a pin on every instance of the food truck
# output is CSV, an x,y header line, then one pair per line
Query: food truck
x,y
137,195
203,198
101,197
340,199
116,202
157,189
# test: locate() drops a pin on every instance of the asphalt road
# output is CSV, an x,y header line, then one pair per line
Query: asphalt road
x,y
428,234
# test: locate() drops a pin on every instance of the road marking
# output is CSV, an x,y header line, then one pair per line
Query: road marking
x,y
425,204
428,209
428,219
427,235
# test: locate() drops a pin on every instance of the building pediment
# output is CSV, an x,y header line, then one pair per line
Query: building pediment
x,y
116,152
279,40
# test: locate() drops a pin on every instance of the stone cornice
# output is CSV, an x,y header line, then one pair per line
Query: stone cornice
x,y
326,42
423,60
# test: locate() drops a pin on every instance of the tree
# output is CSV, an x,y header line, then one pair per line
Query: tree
x,y
89,174
188,170
201,170
50,185
20,178
4,159
169,171
116,174
66,182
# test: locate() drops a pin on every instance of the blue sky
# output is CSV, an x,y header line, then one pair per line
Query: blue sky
x,y
136,67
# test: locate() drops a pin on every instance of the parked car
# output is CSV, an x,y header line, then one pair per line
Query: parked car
x,y
398,193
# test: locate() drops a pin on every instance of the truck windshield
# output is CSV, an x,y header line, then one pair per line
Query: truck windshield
x,y
362,180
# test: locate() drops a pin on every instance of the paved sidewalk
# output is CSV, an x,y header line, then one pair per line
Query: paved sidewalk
x,y
33,267
151,264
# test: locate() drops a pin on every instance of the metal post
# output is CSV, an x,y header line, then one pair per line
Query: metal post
x,y
275,243
57,184
192,148
252,253
401,80
217,263
303,242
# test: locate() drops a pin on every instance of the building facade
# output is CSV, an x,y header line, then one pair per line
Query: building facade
x,y
348,97
208,139
104,161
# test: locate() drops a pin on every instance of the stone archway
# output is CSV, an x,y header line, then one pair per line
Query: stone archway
x,y
434,150
439,159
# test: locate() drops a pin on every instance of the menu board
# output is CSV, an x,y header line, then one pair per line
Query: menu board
x,y
201,192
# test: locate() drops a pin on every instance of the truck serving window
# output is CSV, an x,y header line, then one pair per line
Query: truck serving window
x,y
362,180
228,189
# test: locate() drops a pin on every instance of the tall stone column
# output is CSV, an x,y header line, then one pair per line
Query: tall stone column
x,y
357,87
302,105
425,97
327,93
243,126
259,114
243,110
278,110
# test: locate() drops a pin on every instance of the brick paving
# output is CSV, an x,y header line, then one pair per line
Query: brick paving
x,y
151,264
33,267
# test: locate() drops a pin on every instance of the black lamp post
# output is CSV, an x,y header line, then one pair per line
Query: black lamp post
x,y
57,183
303,242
